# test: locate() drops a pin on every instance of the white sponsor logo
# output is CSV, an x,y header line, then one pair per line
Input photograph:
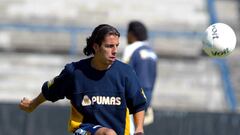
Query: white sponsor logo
x,y
145,54
101,100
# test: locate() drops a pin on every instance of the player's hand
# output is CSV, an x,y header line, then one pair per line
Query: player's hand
x,y
27,105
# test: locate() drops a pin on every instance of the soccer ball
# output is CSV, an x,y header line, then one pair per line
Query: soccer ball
x,y
219,40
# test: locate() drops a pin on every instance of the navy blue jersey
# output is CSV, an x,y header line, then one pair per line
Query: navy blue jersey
x,y
142,58
99,97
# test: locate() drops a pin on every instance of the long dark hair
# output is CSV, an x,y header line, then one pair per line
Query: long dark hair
x,y
98,36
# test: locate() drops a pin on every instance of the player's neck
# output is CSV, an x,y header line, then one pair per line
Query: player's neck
x,y
98,65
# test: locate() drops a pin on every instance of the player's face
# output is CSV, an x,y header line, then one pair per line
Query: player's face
x,y
107,51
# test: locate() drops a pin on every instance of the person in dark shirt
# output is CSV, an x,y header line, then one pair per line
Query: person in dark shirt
x,y
142,58
102,90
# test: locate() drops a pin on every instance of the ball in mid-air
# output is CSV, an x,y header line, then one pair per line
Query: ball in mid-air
x,y
219,40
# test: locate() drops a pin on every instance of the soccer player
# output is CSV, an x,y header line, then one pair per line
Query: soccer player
x,y
143,59
102,90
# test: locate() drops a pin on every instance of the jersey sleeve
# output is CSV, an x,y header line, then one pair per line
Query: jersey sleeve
x,y
60,86
136,99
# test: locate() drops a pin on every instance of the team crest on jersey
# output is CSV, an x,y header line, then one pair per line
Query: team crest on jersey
x,y
101,100
86,101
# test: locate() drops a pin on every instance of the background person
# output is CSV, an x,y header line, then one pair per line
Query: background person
x,y
103,91
139,55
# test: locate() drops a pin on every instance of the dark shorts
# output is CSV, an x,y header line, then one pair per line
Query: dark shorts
x,y
87,128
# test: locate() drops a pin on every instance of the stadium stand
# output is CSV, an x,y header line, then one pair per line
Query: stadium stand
x,y
37,36
82,13
231,17
181,84
34,26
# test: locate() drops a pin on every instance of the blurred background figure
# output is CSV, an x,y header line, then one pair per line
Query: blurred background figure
x,y
143,59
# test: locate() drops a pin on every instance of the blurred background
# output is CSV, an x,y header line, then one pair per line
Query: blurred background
x,y
193,95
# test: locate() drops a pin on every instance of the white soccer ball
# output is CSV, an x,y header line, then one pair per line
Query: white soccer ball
x,y
219,40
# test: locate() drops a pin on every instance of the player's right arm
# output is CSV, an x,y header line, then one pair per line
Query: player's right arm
x,y
29,105
52,90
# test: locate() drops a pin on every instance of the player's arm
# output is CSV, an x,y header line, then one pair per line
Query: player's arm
x,y
30,105
136,101
138,122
